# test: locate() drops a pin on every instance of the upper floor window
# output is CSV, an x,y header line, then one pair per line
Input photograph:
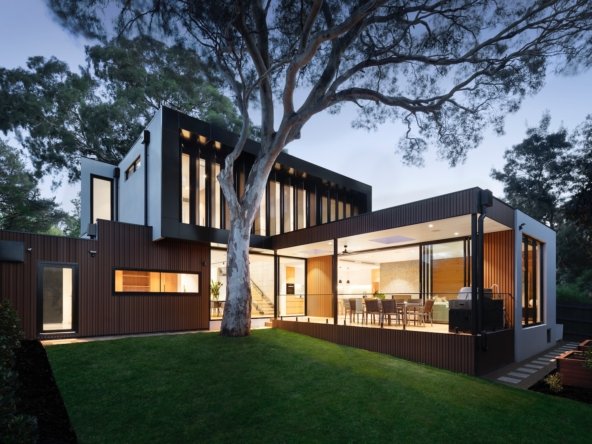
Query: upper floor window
x,y
101,190
132,168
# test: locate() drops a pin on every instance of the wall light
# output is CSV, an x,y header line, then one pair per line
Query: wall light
x,y
92,253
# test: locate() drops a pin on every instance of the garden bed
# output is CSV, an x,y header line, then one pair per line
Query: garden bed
x,y
575,393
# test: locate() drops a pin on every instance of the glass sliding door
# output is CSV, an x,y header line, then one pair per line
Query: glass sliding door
x,y
57,296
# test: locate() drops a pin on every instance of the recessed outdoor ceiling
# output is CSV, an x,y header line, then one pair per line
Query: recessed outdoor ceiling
x,y
396,239
314,252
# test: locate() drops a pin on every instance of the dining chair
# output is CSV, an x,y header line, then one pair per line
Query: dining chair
x,y
425,312
389,309
372,309
356,309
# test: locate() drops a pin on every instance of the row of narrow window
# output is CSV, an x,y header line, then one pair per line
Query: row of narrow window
x,y
284,207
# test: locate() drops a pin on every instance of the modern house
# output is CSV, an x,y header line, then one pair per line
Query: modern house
x,y
155,229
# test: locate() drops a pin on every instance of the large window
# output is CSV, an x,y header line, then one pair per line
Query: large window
x,y
141,281
292,200
200,206
102,204
57,296
532,288
185,191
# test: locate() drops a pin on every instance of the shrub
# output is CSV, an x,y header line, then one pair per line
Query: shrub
x,y
572,292
10,334
554,382
14,427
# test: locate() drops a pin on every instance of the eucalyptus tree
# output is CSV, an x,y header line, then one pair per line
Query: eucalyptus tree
x,y
446,69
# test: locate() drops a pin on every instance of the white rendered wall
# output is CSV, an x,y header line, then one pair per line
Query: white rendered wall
x,y
532,340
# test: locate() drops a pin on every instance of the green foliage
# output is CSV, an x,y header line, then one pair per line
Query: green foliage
x,y
549,176
537,171
588,358
294,389
21,206
215,289
14,428
60,115
10,334
554,382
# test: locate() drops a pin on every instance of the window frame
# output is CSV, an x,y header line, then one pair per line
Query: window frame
x,y
154,293
92,196
75,291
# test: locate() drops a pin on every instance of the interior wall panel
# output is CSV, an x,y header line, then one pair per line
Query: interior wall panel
x,y
319,290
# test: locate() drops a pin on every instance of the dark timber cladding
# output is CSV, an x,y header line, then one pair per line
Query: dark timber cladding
x,y
441,207
473,355
100,311
450,352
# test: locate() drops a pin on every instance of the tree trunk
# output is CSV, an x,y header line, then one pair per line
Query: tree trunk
x,y
237,309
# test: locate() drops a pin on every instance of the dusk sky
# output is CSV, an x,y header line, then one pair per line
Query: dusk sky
x,y
27,29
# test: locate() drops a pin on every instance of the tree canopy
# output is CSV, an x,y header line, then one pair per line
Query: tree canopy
x,y
537,173
446,69
60,115
548,176
21,206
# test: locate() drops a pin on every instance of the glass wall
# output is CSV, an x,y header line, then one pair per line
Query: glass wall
x,y
448,268
262,282
292,292
102,203
57,297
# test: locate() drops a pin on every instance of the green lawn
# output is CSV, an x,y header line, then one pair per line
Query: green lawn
x,y
276,386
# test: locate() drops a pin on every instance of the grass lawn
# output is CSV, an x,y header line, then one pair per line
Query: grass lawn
x,y
276,386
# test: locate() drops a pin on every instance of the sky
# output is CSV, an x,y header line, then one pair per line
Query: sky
x,y
27,29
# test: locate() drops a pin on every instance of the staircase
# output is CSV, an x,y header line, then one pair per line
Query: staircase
x,y
261,305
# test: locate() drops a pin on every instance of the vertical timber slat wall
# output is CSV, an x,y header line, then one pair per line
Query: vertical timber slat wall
x,y
498,266
100,311
450,352
319,286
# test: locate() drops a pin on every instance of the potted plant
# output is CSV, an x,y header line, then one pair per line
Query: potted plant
x,y
215,295
575,368
215,290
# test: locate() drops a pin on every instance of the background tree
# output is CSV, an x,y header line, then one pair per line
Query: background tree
x,y
59,115
536,175
549,177
446,69
21,207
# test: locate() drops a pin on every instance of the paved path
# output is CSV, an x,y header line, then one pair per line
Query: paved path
x,y
528,372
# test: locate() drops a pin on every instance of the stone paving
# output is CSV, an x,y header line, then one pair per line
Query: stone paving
x,y
528,372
